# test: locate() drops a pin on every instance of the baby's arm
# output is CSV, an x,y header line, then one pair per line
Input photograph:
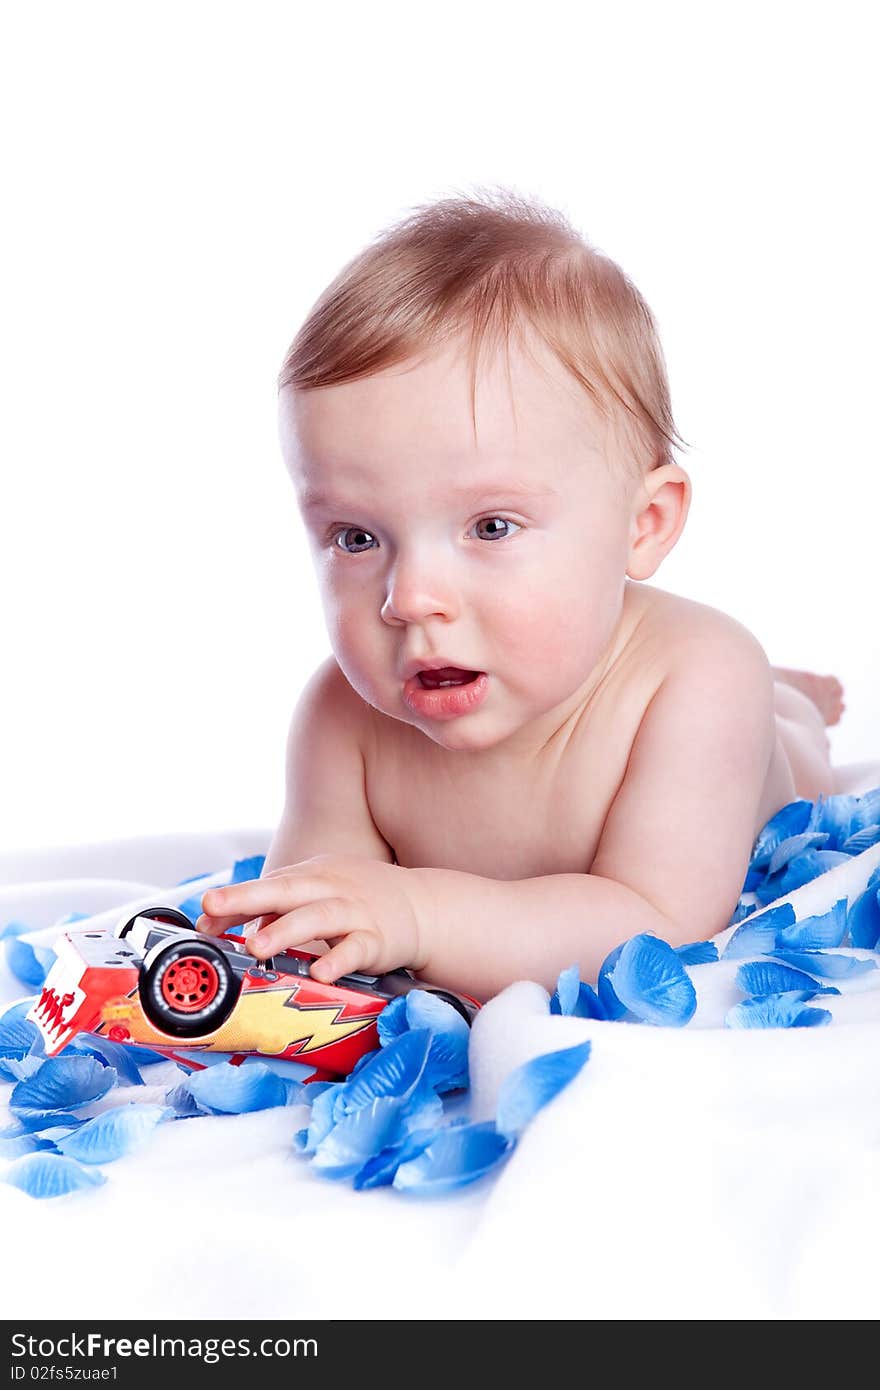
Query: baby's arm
x,y
674,849
325,807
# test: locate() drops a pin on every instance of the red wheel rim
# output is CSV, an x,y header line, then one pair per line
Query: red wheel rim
x,y
190,983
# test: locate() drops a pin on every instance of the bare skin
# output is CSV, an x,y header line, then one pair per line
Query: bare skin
x,y
801,719
826,692
628,744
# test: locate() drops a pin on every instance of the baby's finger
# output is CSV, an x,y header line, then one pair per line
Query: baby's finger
x,y
216,926
313,921
240,901
352,954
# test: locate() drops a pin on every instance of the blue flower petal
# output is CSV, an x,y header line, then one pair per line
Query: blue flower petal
x,y
868,809
245,869
17,1068
697,953
565,996
394,1070
816,933
28,963
231,1090
192,908
574,998
17,1034
379,1171
50,1175
14,929
144,1056
459,1154
747,904
447,1065
794,845
614,1009
863,920
392,1020
424,1110
791,820
34,1121
55,1132
20,1009
325,1111
837,815
762,977
861,840
650,980
588,1004
530,1087
828,965
184,1104
63,1083
775,1011
807,866
112,1134
359,1136
109,1053
805,996
17,1144
313,1089
757,935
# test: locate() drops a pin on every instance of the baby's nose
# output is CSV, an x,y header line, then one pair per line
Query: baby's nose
x,y
416,592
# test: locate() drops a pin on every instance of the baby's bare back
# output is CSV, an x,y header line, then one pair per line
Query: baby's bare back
x,y
488,814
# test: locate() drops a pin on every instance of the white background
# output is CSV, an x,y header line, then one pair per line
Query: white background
x,y
181,180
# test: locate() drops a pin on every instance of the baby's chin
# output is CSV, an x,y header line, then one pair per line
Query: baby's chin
x,y
478,732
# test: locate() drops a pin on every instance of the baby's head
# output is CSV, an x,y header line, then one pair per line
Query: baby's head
x,y
476,418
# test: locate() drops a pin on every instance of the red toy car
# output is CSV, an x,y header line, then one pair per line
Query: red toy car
x,y
157,982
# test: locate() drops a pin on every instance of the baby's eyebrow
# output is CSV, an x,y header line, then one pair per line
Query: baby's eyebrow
x,y
476,492
504,487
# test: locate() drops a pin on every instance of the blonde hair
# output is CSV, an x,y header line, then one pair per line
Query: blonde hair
x,y
483,265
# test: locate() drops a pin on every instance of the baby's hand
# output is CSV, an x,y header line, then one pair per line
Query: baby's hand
x,y
365,909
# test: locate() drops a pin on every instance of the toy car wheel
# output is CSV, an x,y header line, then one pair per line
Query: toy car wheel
x,y
169,915
188,989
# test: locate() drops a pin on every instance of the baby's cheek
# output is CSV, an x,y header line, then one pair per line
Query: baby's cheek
x,y
367,659
537,617
557,627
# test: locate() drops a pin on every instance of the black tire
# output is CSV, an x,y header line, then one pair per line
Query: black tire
x,y
170,915
182,1017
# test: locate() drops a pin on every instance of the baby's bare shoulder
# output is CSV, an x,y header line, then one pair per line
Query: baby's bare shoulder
x,y
679,635
681,825
341,706
328,724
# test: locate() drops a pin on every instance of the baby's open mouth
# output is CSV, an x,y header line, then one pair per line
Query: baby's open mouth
x,y
446,675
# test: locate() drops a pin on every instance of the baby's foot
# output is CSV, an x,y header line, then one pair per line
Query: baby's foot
x,y
826,692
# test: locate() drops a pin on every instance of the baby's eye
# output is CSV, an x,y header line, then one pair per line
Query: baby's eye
x,y
361,539
494,523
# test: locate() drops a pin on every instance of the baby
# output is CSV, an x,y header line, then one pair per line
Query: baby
x,y
520,754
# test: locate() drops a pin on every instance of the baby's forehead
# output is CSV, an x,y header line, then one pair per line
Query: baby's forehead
x,y
515,405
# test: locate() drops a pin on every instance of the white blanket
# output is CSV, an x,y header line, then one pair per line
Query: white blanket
x,y
694,1173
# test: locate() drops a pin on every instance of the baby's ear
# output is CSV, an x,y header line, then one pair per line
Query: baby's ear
x,y
660,511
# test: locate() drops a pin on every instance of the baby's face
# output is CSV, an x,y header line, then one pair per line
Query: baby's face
x,y
505,554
